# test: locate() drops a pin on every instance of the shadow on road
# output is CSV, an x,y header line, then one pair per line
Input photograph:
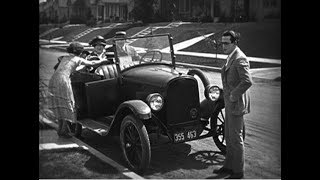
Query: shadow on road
x,y
165,158
177,158
209,157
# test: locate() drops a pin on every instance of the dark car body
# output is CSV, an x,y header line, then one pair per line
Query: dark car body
x,y
148,95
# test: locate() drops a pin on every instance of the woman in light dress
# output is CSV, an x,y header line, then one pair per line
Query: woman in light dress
x,y
61,100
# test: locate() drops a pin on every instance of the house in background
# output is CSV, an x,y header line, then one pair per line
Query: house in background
x,y
83,10
227,10
111,10
56,10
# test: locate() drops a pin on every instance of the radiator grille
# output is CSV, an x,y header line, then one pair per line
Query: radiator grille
x,y
182,101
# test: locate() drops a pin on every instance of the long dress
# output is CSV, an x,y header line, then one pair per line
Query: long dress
x,y
61,100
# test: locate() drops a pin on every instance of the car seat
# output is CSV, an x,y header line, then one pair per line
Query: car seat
x,y
107,71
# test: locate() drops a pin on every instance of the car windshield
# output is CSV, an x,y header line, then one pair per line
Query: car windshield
x,y
140,50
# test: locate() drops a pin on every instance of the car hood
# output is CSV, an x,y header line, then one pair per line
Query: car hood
x,y
155,75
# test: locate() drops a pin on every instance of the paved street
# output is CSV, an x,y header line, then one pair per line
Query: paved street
x,y
263,152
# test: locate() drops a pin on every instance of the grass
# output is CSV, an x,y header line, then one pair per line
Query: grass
x,y
75,163
258,39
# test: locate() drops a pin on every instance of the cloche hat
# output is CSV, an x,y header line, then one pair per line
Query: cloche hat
x,y
98,40
75,48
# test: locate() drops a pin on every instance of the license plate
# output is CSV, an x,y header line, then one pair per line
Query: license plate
x,y
184,136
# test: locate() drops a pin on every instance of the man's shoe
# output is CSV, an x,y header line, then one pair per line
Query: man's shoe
x,y
236,176
222,170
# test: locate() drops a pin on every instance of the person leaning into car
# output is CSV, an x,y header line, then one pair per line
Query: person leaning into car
x,y
61,100
236,81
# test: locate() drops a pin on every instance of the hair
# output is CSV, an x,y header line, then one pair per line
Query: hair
x,y
235,36
75,48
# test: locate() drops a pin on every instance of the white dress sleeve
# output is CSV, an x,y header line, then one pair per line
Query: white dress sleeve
x,y
77,61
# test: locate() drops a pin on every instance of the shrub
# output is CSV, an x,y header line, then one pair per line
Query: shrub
x,y
206,19
77,20
91,22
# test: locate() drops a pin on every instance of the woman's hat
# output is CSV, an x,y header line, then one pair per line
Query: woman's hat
x,y
98,40
75,48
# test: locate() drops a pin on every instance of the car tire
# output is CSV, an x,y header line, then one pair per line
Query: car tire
x,y
217,125
75,129
135,144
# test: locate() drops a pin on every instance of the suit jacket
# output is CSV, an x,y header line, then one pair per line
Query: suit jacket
x,y
236,81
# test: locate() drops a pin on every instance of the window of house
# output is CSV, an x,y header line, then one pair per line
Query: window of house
x,y
216,9
265,3
107,10
112,13
270,3
273,3
184,5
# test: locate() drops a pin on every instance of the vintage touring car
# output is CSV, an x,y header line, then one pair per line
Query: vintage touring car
x,y
140,93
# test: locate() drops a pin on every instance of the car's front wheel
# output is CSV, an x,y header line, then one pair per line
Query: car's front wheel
x,y
217,125
135,143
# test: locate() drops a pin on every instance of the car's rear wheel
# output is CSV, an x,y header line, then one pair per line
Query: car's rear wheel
x,y
217,125
135,144
75,129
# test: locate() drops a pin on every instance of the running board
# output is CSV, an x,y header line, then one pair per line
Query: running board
x,y
98,127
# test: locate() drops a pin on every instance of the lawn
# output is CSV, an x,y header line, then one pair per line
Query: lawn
x,y
74,163
258,39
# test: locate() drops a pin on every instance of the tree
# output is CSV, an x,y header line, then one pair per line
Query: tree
x,y
144,10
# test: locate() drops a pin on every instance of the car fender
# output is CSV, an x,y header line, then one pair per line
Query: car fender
x,y
202,76
136,107
208,107
139,108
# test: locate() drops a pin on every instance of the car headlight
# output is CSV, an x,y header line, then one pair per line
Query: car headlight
x,y
212,93
155,101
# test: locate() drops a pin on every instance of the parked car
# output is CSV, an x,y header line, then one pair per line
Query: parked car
x,y
134,98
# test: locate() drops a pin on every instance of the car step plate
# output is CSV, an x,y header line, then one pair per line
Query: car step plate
x,y
95,126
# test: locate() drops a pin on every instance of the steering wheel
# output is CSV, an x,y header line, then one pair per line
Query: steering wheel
x,y
145,57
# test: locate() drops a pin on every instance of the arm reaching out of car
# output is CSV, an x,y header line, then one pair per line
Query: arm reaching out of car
x,y
92,63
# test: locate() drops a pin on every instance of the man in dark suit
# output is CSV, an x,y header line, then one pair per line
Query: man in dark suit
x,y
236,80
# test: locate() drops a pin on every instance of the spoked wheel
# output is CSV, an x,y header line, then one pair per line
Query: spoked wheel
x,y
75,129
217,125
135,144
